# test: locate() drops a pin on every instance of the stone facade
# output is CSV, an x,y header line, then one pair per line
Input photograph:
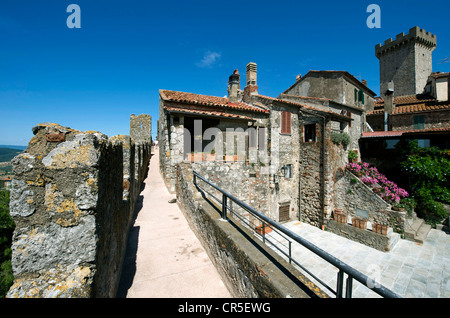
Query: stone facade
x,y
72,201
339,86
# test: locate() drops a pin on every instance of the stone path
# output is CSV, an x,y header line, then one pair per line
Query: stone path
x,y
410,269
164,257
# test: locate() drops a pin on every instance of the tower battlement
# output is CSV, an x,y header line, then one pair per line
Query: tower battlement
x,y
416,35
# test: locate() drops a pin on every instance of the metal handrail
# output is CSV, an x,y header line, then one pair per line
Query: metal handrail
x,y
351,272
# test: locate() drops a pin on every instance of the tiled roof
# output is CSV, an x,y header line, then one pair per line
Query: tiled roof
x,y
397,133
345,73
206,100
407,100
288,102
414,108
213,113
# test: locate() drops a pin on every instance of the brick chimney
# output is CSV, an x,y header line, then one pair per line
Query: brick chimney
x,y
234,85
252,87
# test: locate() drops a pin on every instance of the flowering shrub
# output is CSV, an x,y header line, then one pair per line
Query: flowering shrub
x,y
388,190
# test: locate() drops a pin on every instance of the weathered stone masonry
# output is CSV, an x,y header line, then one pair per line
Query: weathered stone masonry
x,y
72,200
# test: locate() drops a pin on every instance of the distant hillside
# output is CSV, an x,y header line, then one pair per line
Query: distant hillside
x,y
6,154
13,147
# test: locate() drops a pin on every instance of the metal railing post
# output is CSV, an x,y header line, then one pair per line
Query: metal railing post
x,y
349,287
340,283
224,206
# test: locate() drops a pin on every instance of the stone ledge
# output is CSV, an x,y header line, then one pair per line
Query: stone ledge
x,y
383,243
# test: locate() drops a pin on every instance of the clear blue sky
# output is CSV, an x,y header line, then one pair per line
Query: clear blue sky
x,y
94,77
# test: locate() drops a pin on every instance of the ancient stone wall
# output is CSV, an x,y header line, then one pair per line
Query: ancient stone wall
x,y
72,201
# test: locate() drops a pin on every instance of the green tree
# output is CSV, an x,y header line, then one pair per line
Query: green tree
x,y
6,230
428,170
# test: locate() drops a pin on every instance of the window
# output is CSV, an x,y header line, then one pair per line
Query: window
x,y
283,213
423,143
252,137
257,137
285,122
261,138
310,132
361,97
419,122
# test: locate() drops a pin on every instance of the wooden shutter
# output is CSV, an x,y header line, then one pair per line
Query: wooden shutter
x,y
261,138
283,214
285,122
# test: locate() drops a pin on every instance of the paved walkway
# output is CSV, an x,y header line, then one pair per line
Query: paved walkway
x,y
164,257
411,270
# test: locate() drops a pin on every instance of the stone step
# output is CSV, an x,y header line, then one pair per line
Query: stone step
x,y
417,231
422,233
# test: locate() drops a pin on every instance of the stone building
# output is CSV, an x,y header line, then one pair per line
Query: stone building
x,y
414,102
336,91
284,161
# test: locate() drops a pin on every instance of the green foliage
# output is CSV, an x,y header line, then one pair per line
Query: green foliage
x,y
352,155
6,230
428,170
6,154
340,138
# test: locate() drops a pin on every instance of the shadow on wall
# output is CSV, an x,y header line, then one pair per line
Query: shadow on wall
x,y
129,263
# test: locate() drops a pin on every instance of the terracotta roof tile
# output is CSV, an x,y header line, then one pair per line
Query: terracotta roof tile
x,y
414,108
206,100
206,112
407,100
397,133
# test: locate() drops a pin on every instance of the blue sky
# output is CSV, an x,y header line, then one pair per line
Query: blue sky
x,y
94,77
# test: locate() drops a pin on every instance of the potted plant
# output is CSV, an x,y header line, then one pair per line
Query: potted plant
x,y
352,156
263,229
211,156
359,223
339,216
379,228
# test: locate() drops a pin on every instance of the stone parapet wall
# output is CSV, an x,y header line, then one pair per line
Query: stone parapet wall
x,y
72,201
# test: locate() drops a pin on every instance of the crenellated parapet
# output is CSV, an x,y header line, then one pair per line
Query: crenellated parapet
x,y
416,35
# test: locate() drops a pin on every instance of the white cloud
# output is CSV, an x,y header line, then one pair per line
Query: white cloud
x,y
209,59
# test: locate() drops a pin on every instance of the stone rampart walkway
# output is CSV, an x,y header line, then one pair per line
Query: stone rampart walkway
x,y
164,257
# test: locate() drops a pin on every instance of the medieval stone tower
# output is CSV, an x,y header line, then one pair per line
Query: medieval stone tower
x,y
407,61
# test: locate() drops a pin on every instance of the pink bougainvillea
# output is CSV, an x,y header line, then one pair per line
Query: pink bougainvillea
x,y
370,176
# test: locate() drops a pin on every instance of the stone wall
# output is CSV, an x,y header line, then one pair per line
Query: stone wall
x,y
356,199
72,201
435,119
248,267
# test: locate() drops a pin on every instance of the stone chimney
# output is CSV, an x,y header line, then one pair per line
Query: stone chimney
x,y
252,87
234,85
364,82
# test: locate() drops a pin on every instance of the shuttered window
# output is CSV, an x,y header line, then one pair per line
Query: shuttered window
x,y
285,122
283,215
261,138
419,122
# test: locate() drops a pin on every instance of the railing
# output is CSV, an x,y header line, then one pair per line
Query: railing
x,y
289,235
